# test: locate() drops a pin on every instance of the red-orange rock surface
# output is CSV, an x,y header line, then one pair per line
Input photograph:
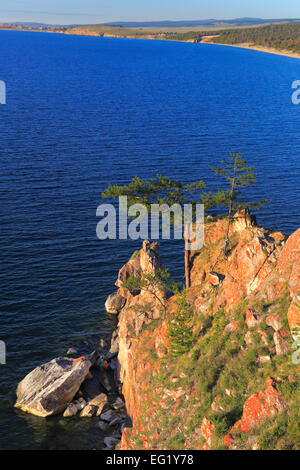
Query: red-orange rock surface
x,y
259,267
207,429
260,406
294,318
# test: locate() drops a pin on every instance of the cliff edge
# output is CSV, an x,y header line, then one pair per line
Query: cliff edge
x,y
237,384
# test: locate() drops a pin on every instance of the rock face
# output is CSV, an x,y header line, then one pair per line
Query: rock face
x,y
143,262
149,257
241,301
131,268
50,388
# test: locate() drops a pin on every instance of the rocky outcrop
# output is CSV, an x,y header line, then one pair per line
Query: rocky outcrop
x,y
253,255
145,261
287,272
242,301
50,388
131,268
149,257
140,310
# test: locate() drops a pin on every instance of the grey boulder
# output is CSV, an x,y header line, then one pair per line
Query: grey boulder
x,y
51,387
114,303
111,442
108,416
118,404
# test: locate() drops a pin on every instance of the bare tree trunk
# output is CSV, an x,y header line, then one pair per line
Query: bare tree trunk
x,y
187,257
230,207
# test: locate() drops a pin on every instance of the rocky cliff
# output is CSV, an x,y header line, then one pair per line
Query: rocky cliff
x,y
237,386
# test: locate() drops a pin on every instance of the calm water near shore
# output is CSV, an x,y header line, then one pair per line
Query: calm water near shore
x,y
82,112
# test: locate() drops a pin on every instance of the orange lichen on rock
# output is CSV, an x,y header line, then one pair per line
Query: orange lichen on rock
x,y
246,284
207,429
82,358
294,316
260,406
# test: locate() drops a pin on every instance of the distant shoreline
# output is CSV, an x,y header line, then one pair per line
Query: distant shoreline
x,y
268,50
257,48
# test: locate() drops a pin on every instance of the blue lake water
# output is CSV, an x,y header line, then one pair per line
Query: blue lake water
x,y
82,112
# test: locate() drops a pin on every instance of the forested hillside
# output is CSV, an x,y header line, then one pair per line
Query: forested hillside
x,y
279,36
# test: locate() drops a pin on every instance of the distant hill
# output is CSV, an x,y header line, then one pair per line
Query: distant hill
x,y
210,22
31,23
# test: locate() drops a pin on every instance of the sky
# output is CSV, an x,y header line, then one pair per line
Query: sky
x,y
101,11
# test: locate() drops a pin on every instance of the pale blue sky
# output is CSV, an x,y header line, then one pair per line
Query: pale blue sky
x,y
99,11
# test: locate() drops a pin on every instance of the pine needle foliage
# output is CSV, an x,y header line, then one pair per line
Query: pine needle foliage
x,y
180,329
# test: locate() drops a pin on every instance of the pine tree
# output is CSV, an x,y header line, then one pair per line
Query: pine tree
x,y
238,176
180,330
163,190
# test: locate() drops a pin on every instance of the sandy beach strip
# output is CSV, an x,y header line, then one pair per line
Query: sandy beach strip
x,y
269,50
